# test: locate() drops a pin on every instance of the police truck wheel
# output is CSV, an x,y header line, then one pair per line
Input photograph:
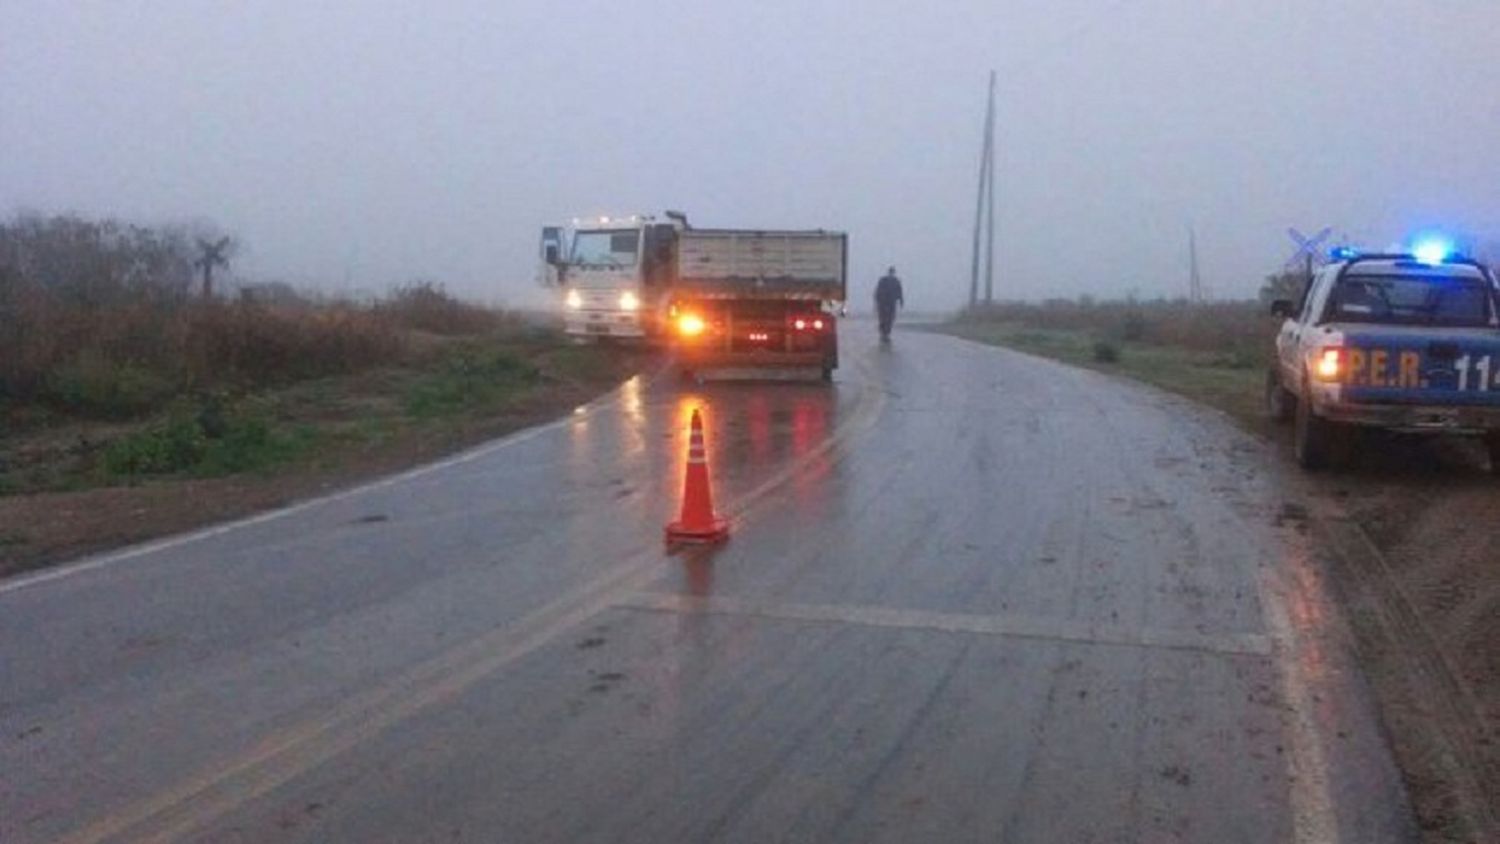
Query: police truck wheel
x,y
1492,445
1281,405
1313,438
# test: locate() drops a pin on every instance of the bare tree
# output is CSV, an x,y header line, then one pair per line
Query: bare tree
x,y
213,254
1287,284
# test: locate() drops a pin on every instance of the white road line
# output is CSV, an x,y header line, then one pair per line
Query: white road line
x,y
1013,626
1313,818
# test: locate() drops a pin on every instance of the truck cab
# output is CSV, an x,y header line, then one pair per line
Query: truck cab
x,y
612,273
1402,342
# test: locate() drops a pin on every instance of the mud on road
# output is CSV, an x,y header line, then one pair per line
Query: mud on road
x,y
1413,528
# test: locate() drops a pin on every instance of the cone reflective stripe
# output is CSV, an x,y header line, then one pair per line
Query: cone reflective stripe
x,y
698,522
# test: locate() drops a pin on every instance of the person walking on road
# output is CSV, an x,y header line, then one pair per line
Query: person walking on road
x,y
887,298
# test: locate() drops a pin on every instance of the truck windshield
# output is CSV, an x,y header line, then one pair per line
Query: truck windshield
x,y
605,248
1412,300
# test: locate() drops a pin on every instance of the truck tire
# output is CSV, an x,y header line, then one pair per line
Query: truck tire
x,y
827,373
1281,405
1313,439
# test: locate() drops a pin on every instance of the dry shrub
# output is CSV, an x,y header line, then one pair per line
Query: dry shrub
x,y
97,318
1237,329
425,306
252,344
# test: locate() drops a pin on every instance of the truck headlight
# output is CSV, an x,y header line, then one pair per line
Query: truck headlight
x,y
574,300
629,301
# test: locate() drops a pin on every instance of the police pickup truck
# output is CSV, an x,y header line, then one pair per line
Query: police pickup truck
x,y
1404,342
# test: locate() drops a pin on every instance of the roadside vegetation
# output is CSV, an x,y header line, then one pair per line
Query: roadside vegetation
x,y
1215,353
121,365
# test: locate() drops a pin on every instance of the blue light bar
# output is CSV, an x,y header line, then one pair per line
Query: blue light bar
x,y
1432,250
1343,253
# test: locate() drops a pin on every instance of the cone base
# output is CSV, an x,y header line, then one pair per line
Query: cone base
x,y
715,531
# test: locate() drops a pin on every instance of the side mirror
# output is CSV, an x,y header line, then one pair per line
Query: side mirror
x,y
551,255
1284,308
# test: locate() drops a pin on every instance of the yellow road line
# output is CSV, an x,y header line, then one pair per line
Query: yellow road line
x,y
282,756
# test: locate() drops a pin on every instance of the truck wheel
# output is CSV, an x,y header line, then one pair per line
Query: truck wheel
x,y
1313,438
1281,405
828,373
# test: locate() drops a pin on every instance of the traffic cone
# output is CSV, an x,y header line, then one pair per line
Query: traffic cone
x,y
698,522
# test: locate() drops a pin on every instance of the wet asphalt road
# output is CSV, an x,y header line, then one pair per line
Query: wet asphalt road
x,y
970,596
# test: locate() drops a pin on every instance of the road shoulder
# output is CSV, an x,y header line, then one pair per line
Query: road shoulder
x,y
1422,621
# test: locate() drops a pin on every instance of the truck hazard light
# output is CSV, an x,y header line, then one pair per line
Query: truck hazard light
x,y
690,325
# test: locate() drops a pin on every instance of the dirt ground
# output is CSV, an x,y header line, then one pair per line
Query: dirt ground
x,y
41,529
1413,530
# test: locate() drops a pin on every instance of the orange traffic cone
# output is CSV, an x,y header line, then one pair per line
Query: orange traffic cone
x,y
698,522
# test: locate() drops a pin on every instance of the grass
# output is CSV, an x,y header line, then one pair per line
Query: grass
x,y
1228,375
452,388
210,438
470,378
116,368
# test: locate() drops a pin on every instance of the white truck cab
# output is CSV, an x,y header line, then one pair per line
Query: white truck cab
x,y
610,273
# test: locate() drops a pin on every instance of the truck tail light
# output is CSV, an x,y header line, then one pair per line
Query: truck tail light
x,y
1329,364
817,325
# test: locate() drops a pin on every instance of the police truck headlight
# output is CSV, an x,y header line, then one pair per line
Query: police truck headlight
x,y
574,300
1329,364
629,302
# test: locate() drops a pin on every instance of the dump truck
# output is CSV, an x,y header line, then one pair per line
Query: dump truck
x,y
758,299
722,298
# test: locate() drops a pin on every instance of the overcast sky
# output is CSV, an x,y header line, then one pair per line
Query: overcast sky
x,y
354,145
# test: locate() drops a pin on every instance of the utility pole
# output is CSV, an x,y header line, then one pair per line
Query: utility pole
x,y
989,251
1195,281
986,181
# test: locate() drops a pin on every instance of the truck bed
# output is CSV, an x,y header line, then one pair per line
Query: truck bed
x,y
743,263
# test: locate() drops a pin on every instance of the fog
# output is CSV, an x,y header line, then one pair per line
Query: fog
x,y
352,146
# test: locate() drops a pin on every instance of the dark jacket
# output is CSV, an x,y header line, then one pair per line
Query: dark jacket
x,y
888,292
